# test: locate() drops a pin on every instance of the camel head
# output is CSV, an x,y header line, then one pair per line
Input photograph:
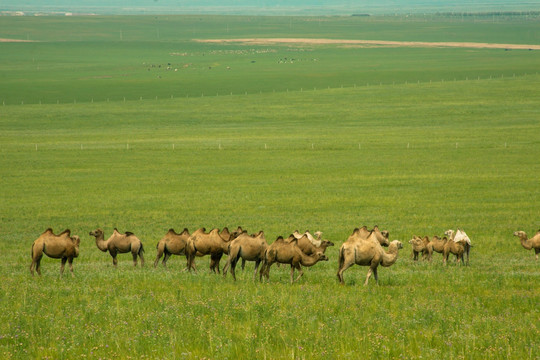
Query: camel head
x,y
521,234
321,256
76,241
318,234
327,243
397,244
449,233
96,233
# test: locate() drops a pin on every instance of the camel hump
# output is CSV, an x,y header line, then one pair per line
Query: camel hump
x,y
129,233
171,230
185,232
65,232
49,230
280,238
356,231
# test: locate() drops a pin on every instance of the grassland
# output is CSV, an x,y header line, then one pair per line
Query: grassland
x,y
428,139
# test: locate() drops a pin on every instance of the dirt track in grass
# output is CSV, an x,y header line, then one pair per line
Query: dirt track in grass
x,y
371,43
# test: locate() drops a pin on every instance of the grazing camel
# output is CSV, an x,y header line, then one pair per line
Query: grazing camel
x,y
213,243
172,244
119,244
532,243
247,248
62,246
307,246
420,245
287,252
458,236
367,253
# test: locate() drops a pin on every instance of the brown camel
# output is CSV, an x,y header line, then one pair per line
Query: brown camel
x,y
460,235
436,244
456,248
532,243
247,248
367,253
420,245
172,244
62,246
214,243
287,252
119,244
309,248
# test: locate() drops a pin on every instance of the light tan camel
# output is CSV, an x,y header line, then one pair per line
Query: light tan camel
x,y
420,245
119,244
457,236
315,241
214,243
287,252
62,246
532,243
363,233
367,253
309,248
172,244
247,248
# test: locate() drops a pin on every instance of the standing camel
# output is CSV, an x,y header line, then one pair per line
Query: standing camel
x,y
528,244
62,246
171,243
367,253
119,244
458,236
288,252
247,248
214,243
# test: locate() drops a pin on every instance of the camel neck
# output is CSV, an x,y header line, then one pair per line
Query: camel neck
x,y
100,243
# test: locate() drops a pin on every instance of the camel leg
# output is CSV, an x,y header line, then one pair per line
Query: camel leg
x,y
134,254
64,259
166,257
368,276
257,263
345,266
537,251
158,256
70,260
292,273
38,265
376,275
301,272
243,264
114,259
141,256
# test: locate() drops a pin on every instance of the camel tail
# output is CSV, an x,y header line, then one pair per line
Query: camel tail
x,y
141,250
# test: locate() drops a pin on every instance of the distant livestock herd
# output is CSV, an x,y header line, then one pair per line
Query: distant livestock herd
x,y
363,247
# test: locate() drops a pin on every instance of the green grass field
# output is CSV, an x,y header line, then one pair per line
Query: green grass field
x,y
414,140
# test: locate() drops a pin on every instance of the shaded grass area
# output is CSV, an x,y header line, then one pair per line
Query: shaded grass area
x,y
334,159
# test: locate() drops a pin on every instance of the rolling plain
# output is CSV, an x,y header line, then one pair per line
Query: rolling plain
x,y
142,124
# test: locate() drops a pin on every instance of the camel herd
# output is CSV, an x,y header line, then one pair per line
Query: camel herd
x,y
363,247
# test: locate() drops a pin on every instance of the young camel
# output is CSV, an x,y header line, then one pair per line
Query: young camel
x,y
213,243
420,245
62,246
368,252
119,244
247,248
532,243
288,252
